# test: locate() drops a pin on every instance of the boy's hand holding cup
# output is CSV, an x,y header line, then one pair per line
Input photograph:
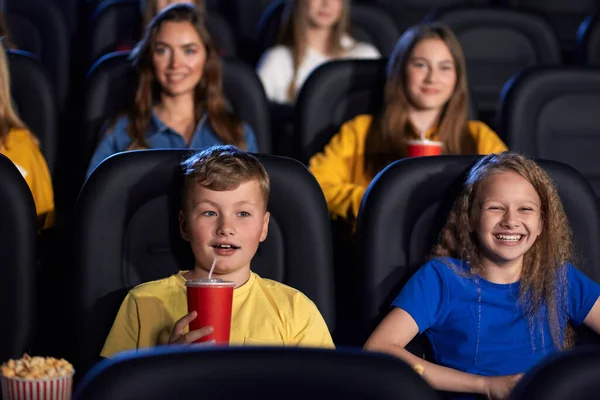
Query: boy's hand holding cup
x,y
178,336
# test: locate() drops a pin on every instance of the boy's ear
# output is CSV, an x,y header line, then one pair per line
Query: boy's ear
x,y
183,226
265,227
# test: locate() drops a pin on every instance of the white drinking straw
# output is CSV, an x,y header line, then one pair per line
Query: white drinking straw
x,y
212,268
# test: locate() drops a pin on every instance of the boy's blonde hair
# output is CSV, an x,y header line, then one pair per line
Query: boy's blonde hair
x,y
222,168
543,282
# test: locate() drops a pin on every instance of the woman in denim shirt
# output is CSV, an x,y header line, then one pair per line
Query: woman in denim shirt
x,y
179,100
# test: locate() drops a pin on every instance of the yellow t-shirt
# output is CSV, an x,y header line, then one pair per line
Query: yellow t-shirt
x,y
264,313
23,150
339,169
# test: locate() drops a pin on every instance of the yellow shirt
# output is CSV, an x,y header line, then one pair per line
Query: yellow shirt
x,y
339,169
264,313
22,149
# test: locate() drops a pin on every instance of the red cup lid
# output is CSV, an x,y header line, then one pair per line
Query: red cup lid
x,y
208,282
425,142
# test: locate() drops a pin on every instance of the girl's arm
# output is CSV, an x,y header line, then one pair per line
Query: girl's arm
x,y
584,299
333,168
399,328
592,320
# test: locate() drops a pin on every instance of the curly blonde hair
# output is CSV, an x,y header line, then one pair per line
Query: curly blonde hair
x,y
543,282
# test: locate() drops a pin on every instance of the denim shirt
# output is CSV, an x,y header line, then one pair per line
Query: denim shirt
x,y
160,136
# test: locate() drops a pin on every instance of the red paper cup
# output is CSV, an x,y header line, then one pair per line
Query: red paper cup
x,y
211,299
421,148
58,388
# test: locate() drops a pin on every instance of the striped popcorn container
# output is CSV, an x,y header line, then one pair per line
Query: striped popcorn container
x,y
58,388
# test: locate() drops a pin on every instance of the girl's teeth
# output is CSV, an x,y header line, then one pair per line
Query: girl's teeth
x,y
513,238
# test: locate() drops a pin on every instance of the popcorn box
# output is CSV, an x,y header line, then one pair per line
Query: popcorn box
x,y
58,388
36,378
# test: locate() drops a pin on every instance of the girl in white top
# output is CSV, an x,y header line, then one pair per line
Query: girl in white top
x,y
313,32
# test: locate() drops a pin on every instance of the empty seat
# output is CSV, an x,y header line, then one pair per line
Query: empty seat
x,y
406,206
564,15
588,41
243,17
498,43
368,24
40,28
70,9
18,244
406,13
571,375
552,113
127,233
35,99
111,85
117,25
254,373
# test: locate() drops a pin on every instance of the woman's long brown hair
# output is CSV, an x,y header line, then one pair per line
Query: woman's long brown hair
x,y
9,119
389,131
5,33
292,34
209,91
543,282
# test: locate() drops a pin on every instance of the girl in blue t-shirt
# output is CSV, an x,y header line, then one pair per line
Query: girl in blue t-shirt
x,y
499,293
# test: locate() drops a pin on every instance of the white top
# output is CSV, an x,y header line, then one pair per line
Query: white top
x,y
276,66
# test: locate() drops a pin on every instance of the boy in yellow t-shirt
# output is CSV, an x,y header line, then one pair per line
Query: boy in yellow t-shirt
x,y
223,216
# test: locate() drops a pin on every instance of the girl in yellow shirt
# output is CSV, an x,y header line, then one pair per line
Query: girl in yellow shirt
x,y
426,93
22,148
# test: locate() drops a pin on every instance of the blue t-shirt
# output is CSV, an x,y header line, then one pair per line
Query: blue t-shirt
x,y
479,327
160,136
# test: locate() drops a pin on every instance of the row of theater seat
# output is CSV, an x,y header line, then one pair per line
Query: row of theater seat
x,y
564,15
307,373
118,22
547,112
41,28
125,232
245,17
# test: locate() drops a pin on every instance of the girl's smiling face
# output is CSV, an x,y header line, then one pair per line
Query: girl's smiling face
x,y
506,218
430,75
